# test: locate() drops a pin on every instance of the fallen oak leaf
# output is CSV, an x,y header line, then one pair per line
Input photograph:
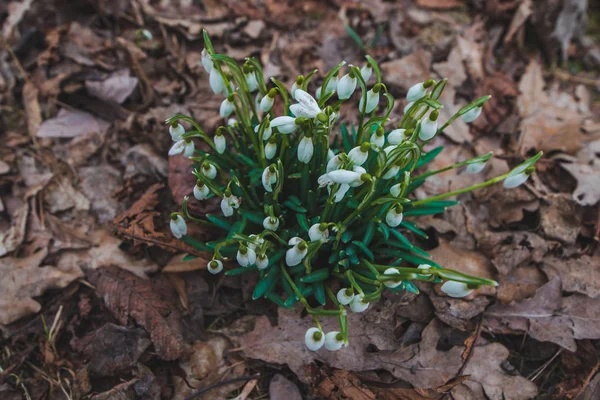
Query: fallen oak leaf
x,y
580,275
127,295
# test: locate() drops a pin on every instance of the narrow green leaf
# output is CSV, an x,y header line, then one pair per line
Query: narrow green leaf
x,y
316,276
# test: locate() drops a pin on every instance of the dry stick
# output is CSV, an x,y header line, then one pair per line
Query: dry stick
x,y
222,383
541,369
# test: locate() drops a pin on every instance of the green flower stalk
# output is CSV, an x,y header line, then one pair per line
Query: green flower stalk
x,y
323,213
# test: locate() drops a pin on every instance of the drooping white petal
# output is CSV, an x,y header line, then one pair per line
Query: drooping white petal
x,y
456,289
424,267
215,266
207,63
332,85
395,190
318,92
393,218
357,305
295,88
316,234
262,261
334,163
306,149
358,156
266,103
428,129
176,132
177,148
472,114
408,106
416,92
377,140
475,168
226,208
372,101
513,181
209,171
392,284
232,122
343,297
396,136
294,241
332,343
217,84
201,192
295,255
346,86
307,106
391,173
189,148
247,259
269,178
270,150
338,176
284,124
251,81
314,339
226,108
340,193
366,71
271,223
178,226
220,143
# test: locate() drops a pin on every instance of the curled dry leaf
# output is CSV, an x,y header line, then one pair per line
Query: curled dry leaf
x,y
71,123
580,275
585,168
146,302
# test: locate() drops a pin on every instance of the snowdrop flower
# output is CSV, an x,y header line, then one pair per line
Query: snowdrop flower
x,y
517,177
456,289
318,92
419,90
314,339
215,266
359,154
266,133
178,226
424,267
296,254
391,173
341,192
332,84
183,145
209,170
270,149
429,126
318,232
472,114
408,106
394,216
232,122
345,296
330,154
217,84
255,242
176,131
346,86
262,261
201,191
357,304
307,106
284,124
338,176
475,168
334,341
229,203
306,149
250,78
378,137
266,103
361,171
395,190
372,99
396,136
207,62
245,256
392,284
366,71
271,223
269,177
296,85
226,107
334,163
220,142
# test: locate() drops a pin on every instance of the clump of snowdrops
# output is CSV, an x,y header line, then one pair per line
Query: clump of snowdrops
x,y
323,213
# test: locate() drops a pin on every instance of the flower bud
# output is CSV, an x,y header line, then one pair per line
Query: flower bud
x,y
251,81
271,223
334,341
285,124
178,226
357,305
314,339
226,107
207,62
366,71
334,163
201,191
245,256
517,177
429,126
424,268
209,170
395,190
297,85
269,177
372,101
346,86
345,296
394,216
392,284
262,261
418,91
391,173
360,153
271,148
305,149
475,168
266,103
378,137
396,136
456,289
176,130
472,114
318,232
408,106
217,84
296,254
220,142
215,266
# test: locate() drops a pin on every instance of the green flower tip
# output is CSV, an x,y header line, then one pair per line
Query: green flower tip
x,y
364,147
300,80
377,88
428,83
434,115
272,93
322,117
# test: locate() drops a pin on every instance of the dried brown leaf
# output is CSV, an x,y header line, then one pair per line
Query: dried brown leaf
x,y
127,295
12,238
116,88
580,275
71,123
281,388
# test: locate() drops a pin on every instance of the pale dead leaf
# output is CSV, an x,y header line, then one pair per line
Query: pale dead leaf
x,y
561,218
60,195
521,16
281,388
440,4
71,123
99,183
116,88
16,11
586,170
21,279
177,264
407,71
580,275
11,238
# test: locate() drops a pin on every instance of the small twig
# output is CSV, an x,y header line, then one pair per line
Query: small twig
x,y
574,78
223,383
541,369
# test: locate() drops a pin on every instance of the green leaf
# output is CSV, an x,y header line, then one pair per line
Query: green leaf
x,y
221,222
302,221
319,292
408,285
352,33
189,257
240,271
424,211
290,301
266,283
294,207
316,276
438,89
369,232
277,300
253,216
429,156
346,138
411,226
196,244
364,249
346,236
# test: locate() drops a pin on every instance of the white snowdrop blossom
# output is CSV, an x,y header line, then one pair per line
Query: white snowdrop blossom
x,y
357,304
475,168
266,103
472,114
207,62
334,341
226,108
359,154
284,124
396,136
176,132
296,254
391,173
408,106
262,261
456,289
366,71
306,149
424,267
220,142
345,296
256,241
395,190
392,284
229,202
346,86
416,92
318,232
269,177
185,146
201,191
295,87
394,216
271,223
334,163
338,176
332,85
429,126
232,122
270,149
209,170
307,106
372,100
267,132
378,138
251,81
217,84
178,226
516,177
340,193
314,339
246,256
215,266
